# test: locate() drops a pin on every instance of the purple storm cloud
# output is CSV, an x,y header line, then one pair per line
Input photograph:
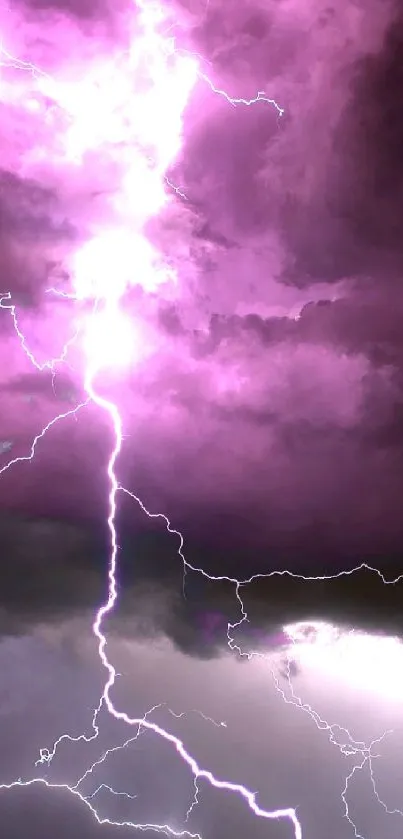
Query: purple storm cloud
x,y
200,239
269,367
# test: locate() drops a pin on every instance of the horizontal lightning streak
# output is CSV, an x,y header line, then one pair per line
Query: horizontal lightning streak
x,y
112,791
158,828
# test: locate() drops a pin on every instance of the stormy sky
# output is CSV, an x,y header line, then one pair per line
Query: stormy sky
x,y
263,415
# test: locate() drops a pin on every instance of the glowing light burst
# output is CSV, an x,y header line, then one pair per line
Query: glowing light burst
x,y
109,339
348,656
144,121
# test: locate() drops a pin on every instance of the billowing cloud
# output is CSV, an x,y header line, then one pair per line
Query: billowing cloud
x,y
268,387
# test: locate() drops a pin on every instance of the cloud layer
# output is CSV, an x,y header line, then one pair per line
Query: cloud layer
x,y
270,394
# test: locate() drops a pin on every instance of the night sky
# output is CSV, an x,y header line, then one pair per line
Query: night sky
x,y
262,413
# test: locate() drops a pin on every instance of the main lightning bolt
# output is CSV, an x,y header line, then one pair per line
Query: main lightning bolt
x,y
173,78
101,272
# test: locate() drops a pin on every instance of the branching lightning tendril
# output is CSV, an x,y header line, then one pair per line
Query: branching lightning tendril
x,y
173,76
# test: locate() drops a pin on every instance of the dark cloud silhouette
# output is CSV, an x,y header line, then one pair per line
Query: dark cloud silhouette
x,y
56,571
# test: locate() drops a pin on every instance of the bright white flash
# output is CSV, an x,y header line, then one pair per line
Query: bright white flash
x,y
369,663
109,340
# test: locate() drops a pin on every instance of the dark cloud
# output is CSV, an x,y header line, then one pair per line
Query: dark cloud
x,y
28,210
57,570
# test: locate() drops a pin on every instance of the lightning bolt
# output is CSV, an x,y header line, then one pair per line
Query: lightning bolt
x,y
173,77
